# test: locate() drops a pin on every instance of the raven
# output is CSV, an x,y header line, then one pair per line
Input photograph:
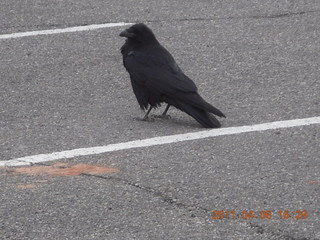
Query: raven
x,y
156,78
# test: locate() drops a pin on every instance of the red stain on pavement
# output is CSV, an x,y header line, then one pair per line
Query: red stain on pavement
x,y
27,186
41,181
34,170
5,170
56,169
312,182
60,164
62,169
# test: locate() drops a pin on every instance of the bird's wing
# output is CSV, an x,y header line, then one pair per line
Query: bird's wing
x,y
158,72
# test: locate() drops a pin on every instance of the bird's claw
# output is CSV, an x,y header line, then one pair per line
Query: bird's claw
x,y
162,116
145,119
148,119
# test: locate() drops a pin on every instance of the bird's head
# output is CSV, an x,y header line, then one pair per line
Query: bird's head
x,y
139,33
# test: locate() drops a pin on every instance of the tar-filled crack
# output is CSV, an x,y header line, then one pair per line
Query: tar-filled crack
x,y
285,14
270,16
191,208
157,193
279,235
276,15
195,211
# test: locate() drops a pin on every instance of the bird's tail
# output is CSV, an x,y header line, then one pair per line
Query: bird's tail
x,y
206,119
194,105
197,101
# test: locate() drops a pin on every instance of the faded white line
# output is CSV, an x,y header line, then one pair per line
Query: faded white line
x,y
62,30
29,160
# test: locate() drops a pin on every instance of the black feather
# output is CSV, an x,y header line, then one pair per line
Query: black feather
x,y
156,77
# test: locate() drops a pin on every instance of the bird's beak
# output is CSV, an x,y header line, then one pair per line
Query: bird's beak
x,y
127,34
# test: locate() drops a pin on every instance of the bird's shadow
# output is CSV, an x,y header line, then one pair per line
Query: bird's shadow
x,y
170,120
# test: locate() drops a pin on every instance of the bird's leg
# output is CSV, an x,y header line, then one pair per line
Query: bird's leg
x,y
166,110
145,118
164,114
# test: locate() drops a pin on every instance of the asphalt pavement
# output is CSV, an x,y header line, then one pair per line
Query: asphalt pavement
x,y
257,61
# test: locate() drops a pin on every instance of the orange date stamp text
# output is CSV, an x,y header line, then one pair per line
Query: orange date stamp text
x,y
247,214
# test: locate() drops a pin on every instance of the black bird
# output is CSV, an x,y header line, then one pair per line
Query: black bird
x,y
156,78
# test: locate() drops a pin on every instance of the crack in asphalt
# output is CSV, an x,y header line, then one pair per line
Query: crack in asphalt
x,y
286,14
174,201
280,235
155,192
267,16
270,16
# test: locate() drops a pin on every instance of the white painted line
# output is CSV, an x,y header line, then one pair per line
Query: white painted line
x,y
62,30
29,160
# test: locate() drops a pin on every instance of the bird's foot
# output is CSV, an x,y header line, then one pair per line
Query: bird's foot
x,y
162,116
145,119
